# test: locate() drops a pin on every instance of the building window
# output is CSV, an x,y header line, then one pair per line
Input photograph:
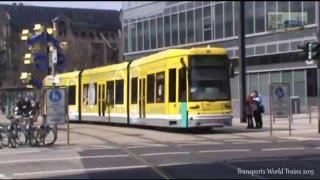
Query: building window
x,y
160,93
150,88
134,90
146,34
236,20
198,24
309,8
219,20
140,36
167,31
125,38
153,33
190,26
160,32
283,6
182,27
228,19
271,22
119,91
110,92
207,23
133,36
174,29
72,95
172,85
259,15
248,6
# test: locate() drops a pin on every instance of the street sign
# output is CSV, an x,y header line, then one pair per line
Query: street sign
x,y
280,94
54,56
56,105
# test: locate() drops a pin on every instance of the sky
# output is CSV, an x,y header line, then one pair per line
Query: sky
x,y
116,5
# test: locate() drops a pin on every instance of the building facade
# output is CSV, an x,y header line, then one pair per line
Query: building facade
x,y
90,37
271,47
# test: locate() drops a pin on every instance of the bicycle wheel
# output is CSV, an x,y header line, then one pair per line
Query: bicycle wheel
x,y
32,137
21,138
50,137
4,137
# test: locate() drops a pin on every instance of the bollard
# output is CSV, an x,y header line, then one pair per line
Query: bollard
x,y
309,114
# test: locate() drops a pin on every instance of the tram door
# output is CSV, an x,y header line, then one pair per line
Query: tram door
x,y
101,100
142,98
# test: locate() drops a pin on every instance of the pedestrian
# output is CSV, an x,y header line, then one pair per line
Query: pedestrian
x,y
257,108
249,113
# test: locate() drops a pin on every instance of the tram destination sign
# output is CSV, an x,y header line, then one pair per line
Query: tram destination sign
x,y
280,93
56,105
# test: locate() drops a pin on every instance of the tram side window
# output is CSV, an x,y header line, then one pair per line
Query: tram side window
x,y
134,90
182,85
150,88
160,77
72,95
110,92
119,91
172,85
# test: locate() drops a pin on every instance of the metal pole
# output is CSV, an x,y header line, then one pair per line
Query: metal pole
x,y
242,64
318,69
290,111
309,109
271,115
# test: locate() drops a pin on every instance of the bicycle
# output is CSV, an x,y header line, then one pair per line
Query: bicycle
x,y
4,137
46,135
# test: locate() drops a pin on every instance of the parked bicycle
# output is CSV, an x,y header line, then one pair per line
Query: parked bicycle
x,y
46,135
4,137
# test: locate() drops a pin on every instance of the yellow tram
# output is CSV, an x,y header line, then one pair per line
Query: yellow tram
x,y
180,88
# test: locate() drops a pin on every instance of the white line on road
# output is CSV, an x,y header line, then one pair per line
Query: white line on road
x,y
3,177
146,146
99,147
164,153
63,158
22,151
251,142
226,150
77,170
197,144
283,149
316,148
174,164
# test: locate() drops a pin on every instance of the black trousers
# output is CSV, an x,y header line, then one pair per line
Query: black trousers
x,y
250,121
258,118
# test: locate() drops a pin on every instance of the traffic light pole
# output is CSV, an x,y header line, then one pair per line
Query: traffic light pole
x,y
318,65
242,65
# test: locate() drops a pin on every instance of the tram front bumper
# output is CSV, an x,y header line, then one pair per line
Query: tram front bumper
x,y
210,121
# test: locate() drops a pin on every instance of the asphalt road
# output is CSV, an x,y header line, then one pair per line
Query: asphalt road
x,y
227,157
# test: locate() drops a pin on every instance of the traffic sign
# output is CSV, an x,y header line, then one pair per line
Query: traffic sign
x,y
54,57
56,105
280,94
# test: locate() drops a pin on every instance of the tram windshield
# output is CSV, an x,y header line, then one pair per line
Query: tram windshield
x,y
209,78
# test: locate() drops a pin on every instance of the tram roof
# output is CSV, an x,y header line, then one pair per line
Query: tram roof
x,y
180,52
106,68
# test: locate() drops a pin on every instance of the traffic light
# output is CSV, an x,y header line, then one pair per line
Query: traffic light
x,y
311,50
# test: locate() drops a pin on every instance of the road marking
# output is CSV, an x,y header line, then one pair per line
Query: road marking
x,y
19,152
251,142
78,170
2,176
197,144
146,146
225,150
282,149
64,158
174,164
164,153
99,147
316,148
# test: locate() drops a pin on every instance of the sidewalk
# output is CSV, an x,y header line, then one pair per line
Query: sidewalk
x,y
301,127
